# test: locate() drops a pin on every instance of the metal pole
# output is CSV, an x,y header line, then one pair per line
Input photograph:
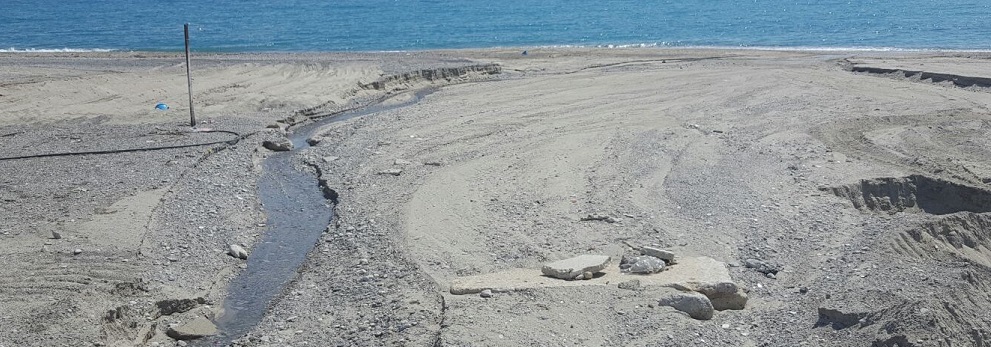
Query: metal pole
x,y
189,78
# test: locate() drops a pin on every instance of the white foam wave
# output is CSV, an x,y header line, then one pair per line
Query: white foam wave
x,y
54,50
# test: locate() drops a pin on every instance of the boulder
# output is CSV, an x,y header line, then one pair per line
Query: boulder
x,y
277,145
723,295
194,329
574,268
694,304
237,251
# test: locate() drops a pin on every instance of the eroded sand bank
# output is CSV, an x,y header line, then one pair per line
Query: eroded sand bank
x,y
789,158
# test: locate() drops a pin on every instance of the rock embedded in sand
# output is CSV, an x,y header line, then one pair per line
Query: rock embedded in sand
x,y
237,251
402,162
572,268
277,145
194,329
592,217
313,141
486,293
394,172
694,304
330,158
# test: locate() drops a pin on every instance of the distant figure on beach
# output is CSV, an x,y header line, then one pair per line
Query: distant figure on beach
x,y
524,52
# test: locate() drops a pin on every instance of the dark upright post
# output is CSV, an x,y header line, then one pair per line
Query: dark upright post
x,y
189,78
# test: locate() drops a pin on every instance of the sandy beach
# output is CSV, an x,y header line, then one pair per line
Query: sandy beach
x,y
844,197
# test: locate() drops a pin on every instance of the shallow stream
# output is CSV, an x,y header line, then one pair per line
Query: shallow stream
x,y
297,214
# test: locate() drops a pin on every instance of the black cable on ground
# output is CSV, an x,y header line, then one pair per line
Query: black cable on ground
x,y
237,138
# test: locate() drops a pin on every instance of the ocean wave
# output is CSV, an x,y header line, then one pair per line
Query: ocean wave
x,y
54,50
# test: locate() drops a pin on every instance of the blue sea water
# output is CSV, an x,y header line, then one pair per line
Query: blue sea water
x,y
377,25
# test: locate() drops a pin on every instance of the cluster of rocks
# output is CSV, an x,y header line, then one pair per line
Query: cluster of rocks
x,y
770,270
652,260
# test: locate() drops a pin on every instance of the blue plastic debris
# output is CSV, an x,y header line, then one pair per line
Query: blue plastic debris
x,y
162,106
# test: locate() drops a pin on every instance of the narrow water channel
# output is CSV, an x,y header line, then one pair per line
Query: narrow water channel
x,y
297,214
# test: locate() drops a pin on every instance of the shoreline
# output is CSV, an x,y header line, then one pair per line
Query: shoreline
x,y
848,49
719,154
489,50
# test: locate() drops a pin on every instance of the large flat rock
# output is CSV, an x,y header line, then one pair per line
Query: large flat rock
x,y
194,329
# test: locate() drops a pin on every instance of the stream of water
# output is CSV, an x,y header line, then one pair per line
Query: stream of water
x,y
297,214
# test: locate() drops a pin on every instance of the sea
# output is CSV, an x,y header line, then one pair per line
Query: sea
x,y
406,25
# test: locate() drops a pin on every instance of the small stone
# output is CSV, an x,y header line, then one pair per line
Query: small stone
x,y
278,145
770,275
587,275
433,163
573,268
330,158
665,255
77,251
181,343
486,293
394,172
402,162
237,251
694,304
56,235
197,328
803,290
313,141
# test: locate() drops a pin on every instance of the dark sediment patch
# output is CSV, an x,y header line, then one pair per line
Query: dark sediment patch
x,y
935,77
